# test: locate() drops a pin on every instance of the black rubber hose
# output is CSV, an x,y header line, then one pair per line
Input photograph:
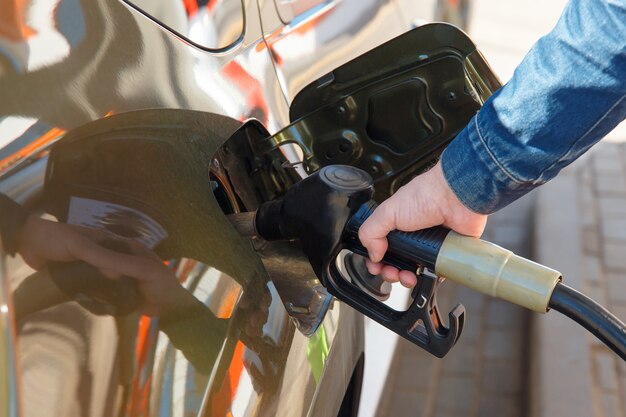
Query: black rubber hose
x,y
592,316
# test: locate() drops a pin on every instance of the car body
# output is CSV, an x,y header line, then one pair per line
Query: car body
x,y
113,89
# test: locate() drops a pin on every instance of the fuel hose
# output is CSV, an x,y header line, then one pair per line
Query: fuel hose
x,y
591,315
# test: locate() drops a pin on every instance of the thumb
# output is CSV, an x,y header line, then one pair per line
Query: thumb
x,y
373,233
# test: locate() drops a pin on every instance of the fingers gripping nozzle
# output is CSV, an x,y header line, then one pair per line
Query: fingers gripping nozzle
x,y
324,211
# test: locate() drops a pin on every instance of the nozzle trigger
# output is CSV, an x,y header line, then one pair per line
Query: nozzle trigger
x,y
421,323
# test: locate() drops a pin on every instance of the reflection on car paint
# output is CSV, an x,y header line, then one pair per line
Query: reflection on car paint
x,y
319,42
317,352
27,137
66,63
117,219
34,37
213,24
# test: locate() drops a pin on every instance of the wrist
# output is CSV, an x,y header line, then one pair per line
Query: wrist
x,y
455,213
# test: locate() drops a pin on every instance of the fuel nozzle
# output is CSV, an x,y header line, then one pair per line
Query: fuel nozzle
x,y
475,263
316,211
325,211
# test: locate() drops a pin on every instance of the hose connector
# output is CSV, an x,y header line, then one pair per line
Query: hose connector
x,y
493,270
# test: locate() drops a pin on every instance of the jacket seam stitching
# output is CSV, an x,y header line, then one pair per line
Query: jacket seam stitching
x,y
493,157
583,136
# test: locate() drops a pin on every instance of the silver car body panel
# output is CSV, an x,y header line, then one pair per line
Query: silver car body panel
x,y
67,63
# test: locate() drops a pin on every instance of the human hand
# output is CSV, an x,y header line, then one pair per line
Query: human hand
x,y
41,241
424,202
161,293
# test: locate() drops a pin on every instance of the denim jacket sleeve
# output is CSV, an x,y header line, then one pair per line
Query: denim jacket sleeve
x,y
568,92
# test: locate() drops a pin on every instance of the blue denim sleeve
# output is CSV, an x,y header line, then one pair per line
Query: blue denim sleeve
x,y
568,92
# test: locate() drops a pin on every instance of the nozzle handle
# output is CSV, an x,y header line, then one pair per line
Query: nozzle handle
x,y
407,250
475,263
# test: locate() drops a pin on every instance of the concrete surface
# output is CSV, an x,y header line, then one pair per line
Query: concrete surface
x,y
380,345
582,232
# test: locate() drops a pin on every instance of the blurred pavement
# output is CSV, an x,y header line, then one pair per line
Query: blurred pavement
x,y
581,231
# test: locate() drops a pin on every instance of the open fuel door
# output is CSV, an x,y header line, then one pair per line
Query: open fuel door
x,y
389,112
392,110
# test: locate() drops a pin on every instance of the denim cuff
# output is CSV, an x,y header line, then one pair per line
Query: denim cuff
x,y
475,175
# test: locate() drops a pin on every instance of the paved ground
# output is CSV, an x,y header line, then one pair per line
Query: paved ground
x,y
510,362
582,233
481,376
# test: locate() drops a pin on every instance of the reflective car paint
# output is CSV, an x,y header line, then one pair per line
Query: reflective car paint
x,y
66,63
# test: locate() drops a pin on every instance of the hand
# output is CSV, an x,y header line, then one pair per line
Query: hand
x,y
162,294
424,202
41,241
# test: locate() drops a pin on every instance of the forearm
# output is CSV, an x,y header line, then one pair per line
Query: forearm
x,y
565,96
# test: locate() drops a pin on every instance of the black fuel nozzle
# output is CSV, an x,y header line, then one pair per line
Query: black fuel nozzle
x,y
324,211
